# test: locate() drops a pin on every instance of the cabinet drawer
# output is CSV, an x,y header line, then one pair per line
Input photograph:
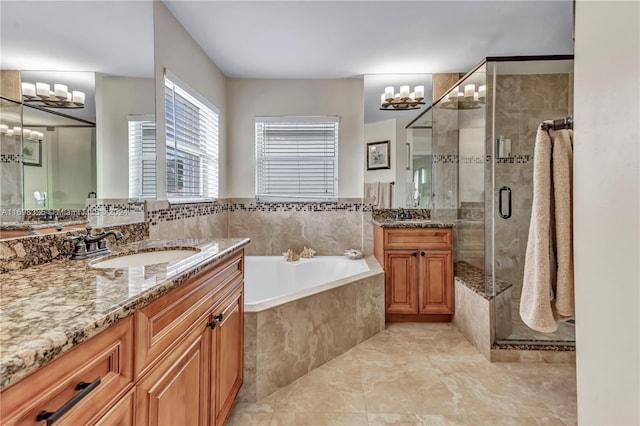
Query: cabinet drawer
x,y
107,356
160,324
432,238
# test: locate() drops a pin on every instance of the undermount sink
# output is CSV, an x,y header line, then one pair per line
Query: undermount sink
x,y
143,259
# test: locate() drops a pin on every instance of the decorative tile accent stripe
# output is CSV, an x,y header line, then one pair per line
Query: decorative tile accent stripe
x,y
31,215
184,211
331,206
23,252
456,159
10,158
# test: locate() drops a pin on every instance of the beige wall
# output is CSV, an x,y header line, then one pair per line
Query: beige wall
x,y
607,212
256,97
176,51
116,98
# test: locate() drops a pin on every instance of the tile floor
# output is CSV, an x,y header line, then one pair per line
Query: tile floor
x,y
419,374
566,332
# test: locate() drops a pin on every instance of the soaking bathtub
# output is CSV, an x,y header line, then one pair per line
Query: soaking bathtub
x,y
299,315
271,281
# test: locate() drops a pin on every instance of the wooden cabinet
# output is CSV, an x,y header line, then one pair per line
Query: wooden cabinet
x,y
94,374
175,391
418,265
227,355
185,368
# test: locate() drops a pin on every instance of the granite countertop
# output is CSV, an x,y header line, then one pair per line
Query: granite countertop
x,y
412,223
47,309
32,225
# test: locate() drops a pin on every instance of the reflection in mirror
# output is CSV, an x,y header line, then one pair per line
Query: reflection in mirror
x,y
407,146
121,82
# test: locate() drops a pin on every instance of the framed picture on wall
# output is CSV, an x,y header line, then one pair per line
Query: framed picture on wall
x,y
32,152
378,155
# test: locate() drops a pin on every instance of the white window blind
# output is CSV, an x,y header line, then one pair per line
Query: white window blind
x,y
142,157
192,144
297,157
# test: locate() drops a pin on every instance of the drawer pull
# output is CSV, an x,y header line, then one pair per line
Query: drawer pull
x,y
218,317
85,387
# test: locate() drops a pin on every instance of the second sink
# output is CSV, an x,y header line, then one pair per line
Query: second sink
x,y
143,259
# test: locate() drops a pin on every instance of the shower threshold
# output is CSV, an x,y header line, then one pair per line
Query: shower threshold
x,y
558,343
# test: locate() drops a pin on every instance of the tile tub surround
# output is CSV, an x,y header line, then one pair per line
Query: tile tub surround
x,y
328,227
286,342
24,252
47,309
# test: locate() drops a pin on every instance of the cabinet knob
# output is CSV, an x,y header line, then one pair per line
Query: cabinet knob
x,y
218,317
415,253
421,253
211,324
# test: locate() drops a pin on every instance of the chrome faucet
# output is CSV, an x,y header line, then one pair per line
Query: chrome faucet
x,y
89,245
403,214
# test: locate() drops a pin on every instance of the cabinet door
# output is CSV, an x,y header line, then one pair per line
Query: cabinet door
x,y
175,391
436,282
229,349
401,281
120,414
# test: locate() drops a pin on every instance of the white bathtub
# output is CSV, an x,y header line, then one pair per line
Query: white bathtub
x,y
271,280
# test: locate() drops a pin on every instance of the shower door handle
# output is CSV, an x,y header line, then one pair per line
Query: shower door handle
x,y
502,191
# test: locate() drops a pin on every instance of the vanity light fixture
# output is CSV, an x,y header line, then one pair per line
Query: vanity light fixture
x,y
26,133
40,94
469,98
405,100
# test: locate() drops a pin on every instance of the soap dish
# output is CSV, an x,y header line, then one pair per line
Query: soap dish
x,y
353,254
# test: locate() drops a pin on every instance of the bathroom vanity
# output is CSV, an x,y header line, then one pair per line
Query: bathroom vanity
x,y
418,262
154,344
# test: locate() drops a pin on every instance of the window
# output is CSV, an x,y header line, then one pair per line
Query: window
x,y
192,144
297,157
142,157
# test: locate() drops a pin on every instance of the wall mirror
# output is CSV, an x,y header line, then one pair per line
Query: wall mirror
x,y
410,166
74,160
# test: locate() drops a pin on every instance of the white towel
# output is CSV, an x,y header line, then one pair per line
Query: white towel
x,y
547,288
562,190
379,194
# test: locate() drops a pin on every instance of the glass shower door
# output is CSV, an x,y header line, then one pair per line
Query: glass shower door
x,y
522,95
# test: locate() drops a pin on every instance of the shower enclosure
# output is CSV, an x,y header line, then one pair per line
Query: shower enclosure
x,y
482,145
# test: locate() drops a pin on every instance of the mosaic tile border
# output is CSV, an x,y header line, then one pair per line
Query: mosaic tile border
x,y
184,211
163,212
457,159
528,347
10,158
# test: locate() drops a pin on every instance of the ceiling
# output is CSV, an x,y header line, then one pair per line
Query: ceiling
x,y
287,39
337,39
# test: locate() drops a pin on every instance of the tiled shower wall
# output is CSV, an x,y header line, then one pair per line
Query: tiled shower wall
x,y
522,103
329,228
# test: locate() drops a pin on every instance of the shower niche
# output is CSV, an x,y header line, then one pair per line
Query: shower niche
x,y
481,152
